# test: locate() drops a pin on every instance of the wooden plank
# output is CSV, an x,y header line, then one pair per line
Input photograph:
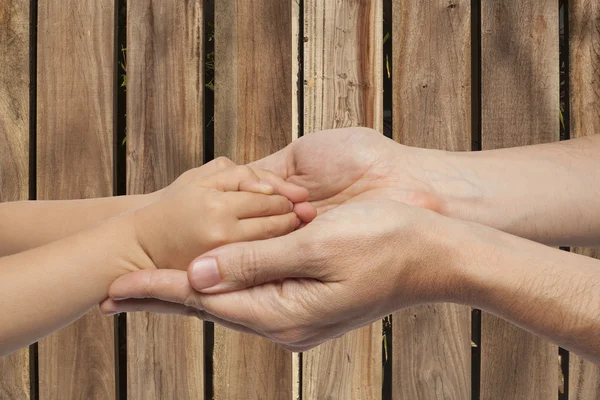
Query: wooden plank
x,y
343,75
584,44
296,67
520,106
253,118
164,139
14,152
74,158
432,109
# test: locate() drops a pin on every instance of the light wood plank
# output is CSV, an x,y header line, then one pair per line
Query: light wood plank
x,y
253,118
75,160
343,75
164,139
520,102
296,67
432,109
584,43
14,152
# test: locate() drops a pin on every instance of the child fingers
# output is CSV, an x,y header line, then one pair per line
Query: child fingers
x,y
252,205
235,179
293,192
252,229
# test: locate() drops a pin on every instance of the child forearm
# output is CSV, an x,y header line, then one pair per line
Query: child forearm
x,y
28,224
47,288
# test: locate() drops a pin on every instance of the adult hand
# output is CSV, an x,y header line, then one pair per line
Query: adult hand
x,y
347,268
354,164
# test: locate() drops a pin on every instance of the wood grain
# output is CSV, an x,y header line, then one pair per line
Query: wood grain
x,y
432,109
74,158
14,152
584,43
520,106
343,88
253,118
164,139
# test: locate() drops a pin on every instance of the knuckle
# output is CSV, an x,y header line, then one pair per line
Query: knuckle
x,y
223,162
218,236
248,271
244,172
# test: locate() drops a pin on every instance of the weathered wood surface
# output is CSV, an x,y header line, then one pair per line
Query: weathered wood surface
x,y
14,152
253,118
520,106
164,139
584,45
432,109
75,160
343,88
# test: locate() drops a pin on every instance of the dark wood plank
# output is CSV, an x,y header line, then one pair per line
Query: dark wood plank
x,y
584,43
520,103
432,109
14,151
164,139
253,118
74,159
343,74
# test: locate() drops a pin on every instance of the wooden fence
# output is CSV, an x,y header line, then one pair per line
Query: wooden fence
x,y
459,75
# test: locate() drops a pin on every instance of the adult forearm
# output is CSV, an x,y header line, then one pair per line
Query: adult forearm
x,y
552,293
45,289
546,193
28,224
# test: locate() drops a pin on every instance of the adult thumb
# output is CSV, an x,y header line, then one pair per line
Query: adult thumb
x,y
242,265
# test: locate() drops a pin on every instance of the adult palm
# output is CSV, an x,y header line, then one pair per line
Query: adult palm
x,y
354,164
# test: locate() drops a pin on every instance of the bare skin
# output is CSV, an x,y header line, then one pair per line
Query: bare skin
x,y
46,288
26,225
389,234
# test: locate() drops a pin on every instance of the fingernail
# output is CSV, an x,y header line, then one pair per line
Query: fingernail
x,y
205,274
110,314
266,187
291,206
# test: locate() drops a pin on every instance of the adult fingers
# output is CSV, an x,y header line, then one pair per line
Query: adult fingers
x,y
241,265
111,307
173,286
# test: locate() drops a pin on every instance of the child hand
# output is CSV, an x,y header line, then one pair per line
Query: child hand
x,y
230,205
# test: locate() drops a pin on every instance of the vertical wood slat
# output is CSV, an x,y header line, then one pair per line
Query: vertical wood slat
x,y
296,68
432,108
584,44
164,139
14,152
75,160
253,118
520,105
343,75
